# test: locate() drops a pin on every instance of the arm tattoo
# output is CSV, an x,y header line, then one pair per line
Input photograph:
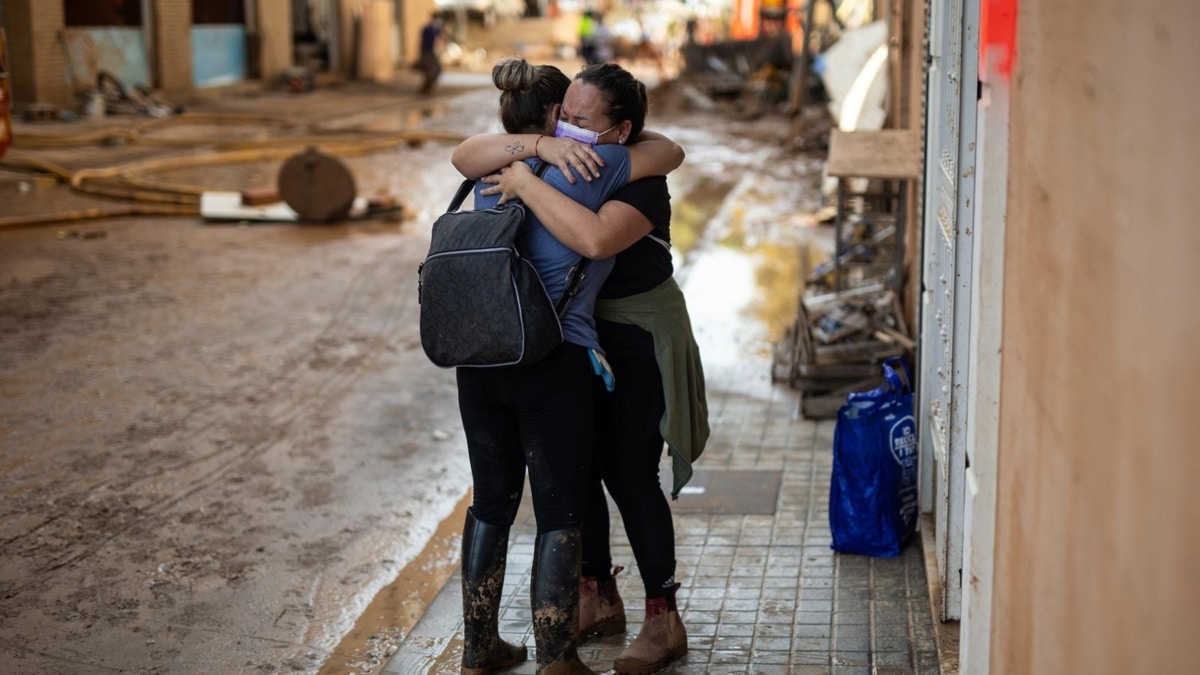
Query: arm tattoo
x,y
515,147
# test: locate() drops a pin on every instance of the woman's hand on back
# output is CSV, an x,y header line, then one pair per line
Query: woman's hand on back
x,y
510,181
569,154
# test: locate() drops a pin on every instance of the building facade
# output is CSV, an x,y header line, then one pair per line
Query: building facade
x,y
60,47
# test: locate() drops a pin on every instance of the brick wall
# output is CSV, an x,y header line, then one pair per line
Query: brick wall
x,y
172,49
35,52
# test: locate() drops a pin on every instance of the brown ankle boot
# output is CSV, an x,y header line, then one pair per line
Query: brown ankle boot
x,y
601,611
661,640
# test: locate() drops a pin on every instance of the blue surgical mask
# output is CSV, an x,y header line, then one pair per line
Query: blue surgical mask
x,y
568,130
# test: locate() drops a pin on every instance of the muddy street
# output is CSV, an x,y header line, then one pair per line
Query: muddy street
x,y
221,442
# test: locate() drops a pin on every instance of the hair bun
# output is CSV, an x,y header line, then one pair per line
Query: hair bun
x,y
514,74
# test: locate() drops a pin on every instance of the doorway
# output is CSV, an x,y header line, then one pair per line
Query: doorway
x,y
218,42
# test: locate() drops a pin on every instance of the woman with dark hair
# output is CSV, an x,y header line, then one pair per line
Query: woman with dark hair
x,y
643,324
537,417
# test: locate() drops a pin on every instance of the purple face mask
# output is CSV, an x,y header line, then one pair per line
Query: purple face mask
x,y
568,130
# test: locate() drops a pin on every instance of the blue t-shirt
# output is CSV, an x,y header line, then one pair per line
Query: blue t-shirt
x,y
552,259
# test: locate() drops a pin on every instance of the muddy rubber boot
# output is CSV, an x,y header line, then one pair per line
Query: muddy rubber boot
x,y
555,596
661,640
484,553
601,611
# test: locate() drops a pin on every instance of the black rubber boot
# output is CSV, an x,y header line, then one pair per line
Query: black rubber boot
x,y
555,595
484,552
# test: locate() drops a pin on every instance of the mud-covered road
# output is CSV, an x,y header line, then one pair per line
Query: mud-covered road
x,y
220,442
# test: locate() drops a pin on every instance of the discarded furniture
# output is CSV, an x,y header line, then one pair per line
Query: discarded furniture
x,y
872,168
836,344
850,319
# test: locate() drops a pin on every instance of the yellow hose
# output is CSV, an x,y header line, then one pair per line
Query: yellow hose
x,y
38,165
175,188
137,133
341,148
93,214
172,199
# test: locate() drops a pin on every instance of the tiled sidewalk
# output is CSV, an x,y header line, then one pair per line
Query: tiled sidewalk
x,y
762,591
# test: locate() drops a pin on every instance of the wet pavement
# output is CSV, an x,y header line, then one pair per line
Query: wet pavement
x,y
761,590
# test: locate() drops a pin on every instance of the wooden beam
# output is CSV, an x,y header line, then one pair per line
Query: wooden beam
x,y
887,154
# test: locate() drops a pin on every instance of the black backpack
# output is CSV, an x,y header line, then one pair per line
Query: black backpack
x,y
482,303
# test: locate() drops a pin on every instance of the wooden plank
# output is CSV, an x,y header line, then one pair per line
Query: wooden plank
x,y
874,351
890,153
843,371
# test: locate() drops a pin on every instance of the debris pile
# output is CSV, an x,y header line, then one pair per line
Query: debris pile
x,y
836,345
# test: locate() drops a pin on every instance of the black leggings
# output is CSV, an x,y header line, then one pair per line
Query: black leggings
x,y
540,417
629,447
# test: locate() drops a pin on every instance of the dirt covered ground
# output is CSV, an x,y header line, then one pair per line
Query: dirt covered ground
x,y
220,442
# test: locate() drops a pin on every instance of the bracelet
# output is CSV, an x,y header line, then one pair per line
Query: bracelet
x,y
535,146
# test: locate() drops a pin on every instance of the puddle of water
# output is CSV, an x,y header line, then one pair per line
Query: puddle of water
x,y
749,244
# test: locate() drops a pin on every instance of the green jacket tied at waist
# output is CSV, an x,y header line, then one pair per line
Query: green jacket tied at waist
x,y
663,313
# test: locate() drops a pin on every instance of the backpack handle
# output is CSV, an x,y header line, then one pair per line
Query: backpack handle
x,y
463,190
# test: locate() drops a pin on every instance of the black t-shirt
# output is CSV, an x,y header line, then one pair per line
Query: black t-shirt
x,y
647,263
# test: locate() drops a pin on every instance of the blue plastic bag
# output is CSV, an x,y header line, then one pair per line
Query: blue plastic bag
x,y
873,494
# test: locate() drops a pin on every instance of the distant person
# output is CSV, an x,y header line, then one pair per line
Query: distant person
x,y
430,63
587,40
773,62
601,41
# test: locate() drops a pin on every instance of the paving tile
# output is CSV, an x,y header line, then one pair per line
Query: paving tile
x,y
797,669
820,657
767,628
769,658
813,631
812,644
851,658
742,604
851,642
729,658
736,630
810,618
889,658
695,616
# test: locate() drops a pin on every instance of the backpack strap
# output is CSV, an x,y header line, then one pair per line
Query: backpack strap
x,y
574,276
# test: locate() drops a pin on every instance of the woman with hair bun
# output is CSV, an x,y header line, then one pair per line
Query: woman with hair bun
x,y
644,327
537,417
